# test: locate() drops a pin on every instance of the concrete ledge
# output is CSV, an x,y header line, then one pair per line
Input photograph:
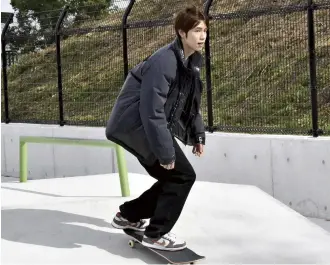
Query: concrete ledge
x,y
293,169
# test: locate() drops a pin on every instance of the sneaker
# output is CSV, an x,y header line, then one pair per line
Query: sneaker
x,y
122,223
167,242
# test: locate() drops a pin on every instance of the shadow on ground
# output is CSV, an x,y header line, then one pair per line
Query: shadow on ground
x,y
57,229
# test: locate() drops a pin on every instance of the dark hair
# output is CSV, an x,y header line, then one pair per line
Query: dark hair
x,y
188,18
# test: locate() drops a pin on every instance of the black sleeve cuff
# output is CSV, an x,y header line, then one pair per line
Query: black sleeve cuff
x,y
200,139
167,161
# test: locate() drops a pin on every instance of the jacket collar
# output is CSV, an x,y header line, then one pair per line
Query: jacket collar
x,y
195,59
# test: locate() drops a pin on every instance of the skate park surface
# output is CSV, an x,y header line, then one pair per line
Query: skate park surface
x,y
67,220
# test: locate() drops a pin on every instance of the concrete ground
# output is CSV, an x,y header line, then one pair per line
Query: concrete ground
x,y
67,220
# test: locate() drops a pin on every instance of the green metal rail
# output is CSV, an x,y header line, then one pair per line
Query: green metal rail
x,y
123,175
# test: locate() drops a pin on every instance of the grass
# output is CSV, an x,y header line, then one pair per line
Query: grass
x,y
260,70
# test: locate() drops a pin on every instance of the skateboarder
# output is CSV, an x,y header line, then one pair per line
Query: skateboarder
x,y
160,101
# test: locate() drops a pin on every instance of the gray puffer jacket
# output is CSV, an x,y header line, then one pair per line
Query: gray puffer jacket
x,y
160,100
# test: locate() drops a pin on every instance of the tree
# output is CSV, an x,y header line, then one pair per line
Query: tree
x,y
35,20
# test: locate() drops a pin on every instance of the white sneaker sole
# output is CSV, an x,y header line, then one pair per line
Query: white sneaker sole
x,y
161,247
127,227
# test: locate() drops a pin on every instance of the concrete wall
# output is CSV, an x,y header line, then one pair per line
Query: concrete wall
x,y
293,169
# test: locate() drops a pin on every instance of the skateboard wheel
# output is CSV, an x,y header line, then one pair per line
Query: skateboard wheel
x,y
131,243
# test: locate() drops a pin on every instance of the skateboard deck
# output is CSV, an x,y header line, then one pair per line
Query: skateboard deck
x,y
184,256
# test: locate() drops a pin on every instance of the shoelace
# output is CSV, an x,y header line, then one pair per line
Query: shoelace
x,y
170,236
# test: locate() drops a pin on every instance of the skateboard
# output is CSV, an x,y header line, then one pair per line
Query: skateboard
x,y
184,256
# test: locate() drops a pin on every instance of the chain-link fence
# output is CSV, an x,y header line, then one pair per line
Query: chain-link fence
x,y
92,68
322,50
32,79
261,74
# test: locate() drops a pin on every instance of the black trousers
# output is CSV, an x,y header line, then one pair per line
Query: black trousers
x,y
164,201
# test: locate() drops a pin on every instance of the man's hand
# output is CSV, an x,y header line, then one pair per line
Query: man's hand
x,y
198,150
169,166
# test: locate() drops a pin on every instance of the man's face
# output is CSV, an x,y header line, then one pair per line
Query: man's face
x,y
195,38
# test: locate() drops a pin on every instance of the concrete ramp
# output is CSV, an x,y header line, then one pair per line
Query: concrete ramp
x,y
67,221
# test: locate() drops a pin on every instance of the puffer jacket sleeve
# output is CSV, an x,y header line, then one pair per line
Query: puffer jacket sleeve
x,y
199,130
156,80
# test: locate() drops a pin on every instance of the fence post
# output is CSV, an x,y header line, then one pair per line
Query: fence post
x,y
312,67
208,69
124,29
59,65
4,65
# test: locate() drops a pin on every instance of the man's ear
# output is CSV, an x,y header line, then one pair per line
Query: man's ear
x,y
182,33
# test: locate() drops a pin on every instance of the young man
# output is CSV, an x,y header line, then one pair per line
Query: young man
x,y
160,100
